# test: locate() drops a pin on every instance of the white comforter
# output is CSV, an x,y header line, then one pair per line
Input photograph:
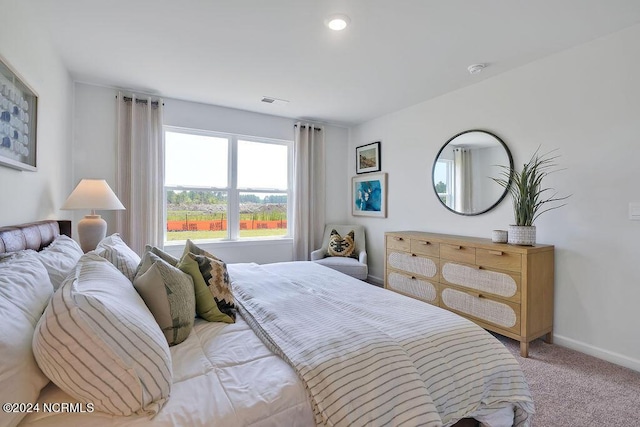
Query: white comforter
x,y
225,376
371,357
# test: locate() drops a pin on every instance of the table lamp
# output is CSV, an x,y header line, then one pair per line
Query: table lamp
x,y
94,194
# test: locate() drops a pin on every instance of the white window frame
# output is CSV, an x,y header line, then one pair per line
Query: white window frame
x,y
448,196
232,190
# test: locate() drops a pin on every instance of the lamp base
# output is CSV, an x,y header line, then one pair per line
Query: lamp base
x,y
91,230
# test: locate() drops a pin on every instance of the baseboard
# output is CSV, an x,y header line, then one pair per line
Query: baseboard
x,y
375,280
607,355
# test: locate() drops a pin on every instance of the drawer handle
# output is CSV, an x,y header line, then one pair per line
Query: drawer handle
x,y
457,247
479,267
414,255
413,277
398,239
424,242
477,294
498,253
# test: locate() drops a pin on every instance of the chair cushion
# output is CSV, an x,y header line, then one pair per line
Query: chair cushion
x,y
346,265
342,246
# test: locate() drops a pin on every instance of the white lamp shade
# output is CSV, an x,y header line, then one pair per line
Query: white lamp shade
x,y
94,194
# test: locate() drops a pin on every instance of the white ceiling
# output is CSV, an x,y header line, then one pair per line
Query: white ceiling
x,y
393,55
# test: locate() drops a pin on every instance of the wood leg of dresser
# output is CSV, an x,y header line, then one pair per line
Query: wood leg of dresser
x,y
548,338
524,349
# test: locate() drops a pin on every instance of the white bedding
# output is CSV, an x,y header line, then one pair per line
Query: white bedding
x,y
225,376
372,357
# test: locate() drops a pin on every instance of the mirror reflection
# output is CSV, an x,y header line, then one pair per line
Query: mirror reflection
x,y
463,169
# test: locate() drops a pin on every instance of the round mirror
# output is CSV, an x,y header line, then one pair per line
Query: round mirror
x,y
463,170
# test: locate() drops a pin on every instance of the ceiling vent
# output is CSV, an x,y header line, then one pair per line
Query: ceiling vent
x,y
271,100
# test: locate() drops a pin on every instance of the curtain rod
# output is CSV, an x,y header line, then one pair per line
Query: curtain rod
x,y
139,101
305,126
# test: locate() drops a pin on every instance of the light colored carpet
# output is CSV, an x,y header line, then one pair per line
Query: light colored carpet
x,y
572,389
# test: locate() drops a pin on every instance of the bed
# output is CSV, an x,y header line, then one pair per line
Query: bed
x,y
312,346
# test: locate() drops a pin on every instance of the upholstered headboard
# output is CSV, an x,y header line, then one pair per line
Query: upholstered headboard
x,y
34,235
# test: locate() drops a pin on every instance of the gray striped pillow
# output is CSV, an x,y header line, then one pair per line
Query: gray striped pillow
x,y
119,254
98,342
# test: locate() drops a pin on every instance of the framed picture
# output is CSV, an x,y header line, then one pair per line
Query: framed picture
x,y
368,158
18,117
369,195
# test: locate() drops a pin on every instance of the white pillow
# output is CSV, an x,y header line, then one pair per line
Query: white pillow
x,y
25,290
59,258
119,254
98,342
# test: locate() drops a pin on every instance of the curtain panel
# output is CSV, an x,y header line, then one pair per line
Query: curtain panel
x,y
309,190
140,170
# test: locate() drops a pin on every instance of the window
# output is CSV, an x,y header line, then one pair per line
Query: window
x,y
225,187
443,177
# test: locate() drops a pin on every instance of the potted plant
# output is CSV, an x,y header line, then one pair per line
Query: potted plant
x,y
530,198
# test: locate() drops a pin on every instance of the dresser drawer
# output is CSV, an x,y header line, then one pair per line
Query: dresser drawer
x,y
413,287
499,259
501,284
425,247
413,264
501,314
458,253
398,242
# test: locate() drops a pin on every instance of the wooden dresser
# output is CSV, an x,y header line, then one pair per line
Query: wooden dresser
x,y
503,288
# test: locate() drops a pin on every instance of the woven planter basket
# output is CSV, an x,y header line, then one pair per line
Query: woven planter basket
x,y
524,235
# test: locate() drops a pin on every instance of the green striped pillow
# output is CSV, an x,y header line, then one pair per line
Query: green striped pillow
x,y
98,342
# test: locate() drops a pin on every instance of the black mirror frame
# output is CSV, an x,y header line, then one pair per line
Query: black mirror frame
x,y
506,190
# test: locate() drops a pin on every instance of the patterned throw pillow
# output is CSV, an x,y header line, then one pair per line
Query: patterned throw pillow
x,y
342,246
214,300
98,342
169,295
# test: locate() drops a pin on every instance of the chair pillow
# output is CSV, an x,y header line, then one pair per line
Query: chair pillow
x,y
25,290
169,295
59,258
98,342
114,249
342,246
214,300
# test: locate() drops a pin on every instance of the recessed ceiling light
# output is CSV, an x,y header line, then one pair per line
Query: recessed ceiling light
x,y
337,22
476,68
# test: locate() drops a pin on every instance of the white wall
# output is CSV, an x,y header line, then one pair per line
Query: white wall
x,y
583,101
31,196
95,155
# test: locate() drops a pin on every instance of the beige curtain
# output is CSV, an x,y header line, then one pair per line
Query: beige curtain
x,y
140,171
308,190
463,187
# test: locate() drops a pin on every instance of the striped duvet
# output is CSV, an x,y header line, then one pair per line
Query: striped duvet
x,y
369,356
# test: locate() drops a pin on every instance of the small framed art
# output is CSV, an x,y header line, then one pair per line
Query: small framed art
x,y
18,109
369,195
368,158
